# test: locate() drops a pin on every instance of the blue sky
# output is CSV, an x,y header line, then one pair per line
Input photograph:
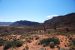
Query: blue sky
x,y
34,10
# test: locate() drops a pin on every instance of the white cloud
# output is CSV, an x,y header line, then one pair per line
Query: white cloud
x,y
51,16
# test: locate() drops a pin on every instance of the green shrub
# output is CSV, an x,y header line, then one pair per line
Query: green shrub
x,y
47,41
14,43
7,45
1,42
72,44
49,32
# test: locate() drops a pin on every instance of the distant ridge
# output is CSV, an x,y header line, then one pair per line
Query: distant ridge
x,y
5,23
24,23
58,21
61,21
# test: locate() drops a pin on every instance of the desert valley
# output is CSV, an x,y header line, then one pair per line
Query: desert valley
x,y
57,33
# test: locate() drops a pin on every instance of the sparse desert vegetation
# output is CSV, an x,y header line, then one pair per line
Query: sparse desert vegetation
x,y
13,44
53,34
50,42
53,40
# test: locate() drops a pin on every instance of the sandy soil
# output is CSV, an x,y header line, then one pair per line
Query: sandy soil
x,y
64,41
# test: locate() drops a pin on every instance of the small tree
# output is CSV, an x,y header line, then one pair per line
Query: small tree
x,y
67,29
54,26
